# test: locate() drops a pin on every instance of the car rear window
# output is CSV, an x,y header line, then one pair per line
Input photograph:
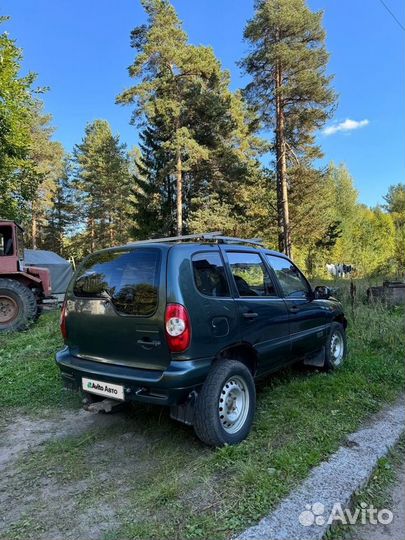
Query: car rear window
x,y
130,279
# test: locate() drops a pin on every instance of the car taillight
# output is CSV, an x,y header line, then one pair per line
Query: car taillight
x,y
63,328
178,327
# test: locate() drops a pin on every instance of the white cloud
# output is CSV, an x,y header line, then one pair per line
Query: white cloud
x,y
346,125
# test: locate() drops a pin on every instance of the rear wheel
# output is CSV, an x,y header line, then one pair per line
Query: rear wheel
x,y
225,406
18,305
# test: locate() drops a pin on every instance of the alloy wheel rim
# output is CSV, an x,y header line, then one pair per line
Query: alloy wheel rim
x,y
8,309
233,404
337,348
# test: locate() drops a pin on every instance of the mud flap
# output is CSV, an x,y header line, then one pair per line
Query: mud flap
x,y
184,412
317,359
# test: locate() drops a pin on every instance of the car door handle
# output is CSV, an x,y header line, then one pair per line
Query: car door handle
x,y
293,309
250,315
148,344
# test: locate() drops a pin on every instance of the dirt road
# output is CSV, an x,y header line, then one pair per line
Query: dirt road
x,y
75,474
396,503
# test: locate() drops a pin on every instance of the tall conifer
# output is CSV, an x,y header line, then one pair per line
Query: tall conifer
x,y
197,138
290,88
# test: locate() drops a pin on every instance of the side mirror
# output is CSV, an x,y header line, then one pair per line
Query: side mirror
x,y
322,292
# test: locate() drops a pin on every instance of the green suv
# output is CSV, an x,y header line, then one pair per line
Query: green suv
x,y
191,322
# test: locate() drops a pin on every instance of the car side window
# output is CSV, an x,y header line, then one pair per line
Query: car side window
x,y
209,274
250,274
292,282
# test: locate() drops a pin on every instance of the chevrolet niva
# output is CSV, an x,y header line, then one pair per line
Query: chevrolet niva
x,y
191,322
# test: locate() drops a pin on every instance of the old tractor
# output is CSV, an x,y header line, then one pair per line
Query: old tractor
x,y
22,290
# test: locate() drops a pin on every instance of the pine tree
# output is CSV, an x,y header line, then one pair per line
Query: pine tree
x,y
395,201
154,202
289,88
103,182
228,129
313,221
62,213
197,138
46,158
166,67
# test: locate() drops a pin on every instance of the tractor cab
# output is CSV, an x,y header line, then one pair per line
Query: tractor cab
x,y
11,247
6,240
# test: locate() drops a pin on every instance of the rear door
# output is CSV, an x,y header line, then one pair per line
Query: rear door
x,y
262,312
307,315
115,308
212,309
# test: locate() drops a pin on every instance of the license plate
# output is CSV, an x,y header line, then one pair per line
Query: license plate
x,y
101,388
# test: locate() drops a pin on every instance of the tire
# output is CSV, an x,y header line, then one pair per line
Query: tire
x,y
232,380
18,306
335,347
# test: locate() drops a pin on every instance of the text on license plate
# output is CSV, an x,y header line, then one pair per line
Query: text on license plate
x,y
101,388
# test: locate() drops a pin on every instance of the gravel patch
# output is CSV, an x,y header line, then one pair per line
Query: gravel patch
x,y
303,515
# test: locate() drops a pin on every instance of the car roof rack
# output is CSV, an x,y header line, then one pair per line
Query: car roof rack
x,y
204,237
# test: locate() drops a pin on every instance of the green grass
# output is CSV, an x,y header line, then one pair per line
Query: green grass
x,y
29,375
186,490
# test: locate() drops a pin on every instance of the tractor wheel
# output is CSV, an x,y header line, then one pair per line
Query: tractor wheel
x,y
18,305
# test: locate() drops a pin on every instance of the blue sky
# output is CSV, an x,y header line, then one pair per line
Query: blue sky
x,y
80,49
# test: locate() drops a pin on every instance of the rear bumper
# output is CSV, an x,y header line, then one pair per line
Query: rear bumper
x,y
168,387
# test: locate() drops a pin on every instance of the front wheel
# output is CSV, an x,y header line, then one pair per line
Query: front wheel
x,y
336,347
225,407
